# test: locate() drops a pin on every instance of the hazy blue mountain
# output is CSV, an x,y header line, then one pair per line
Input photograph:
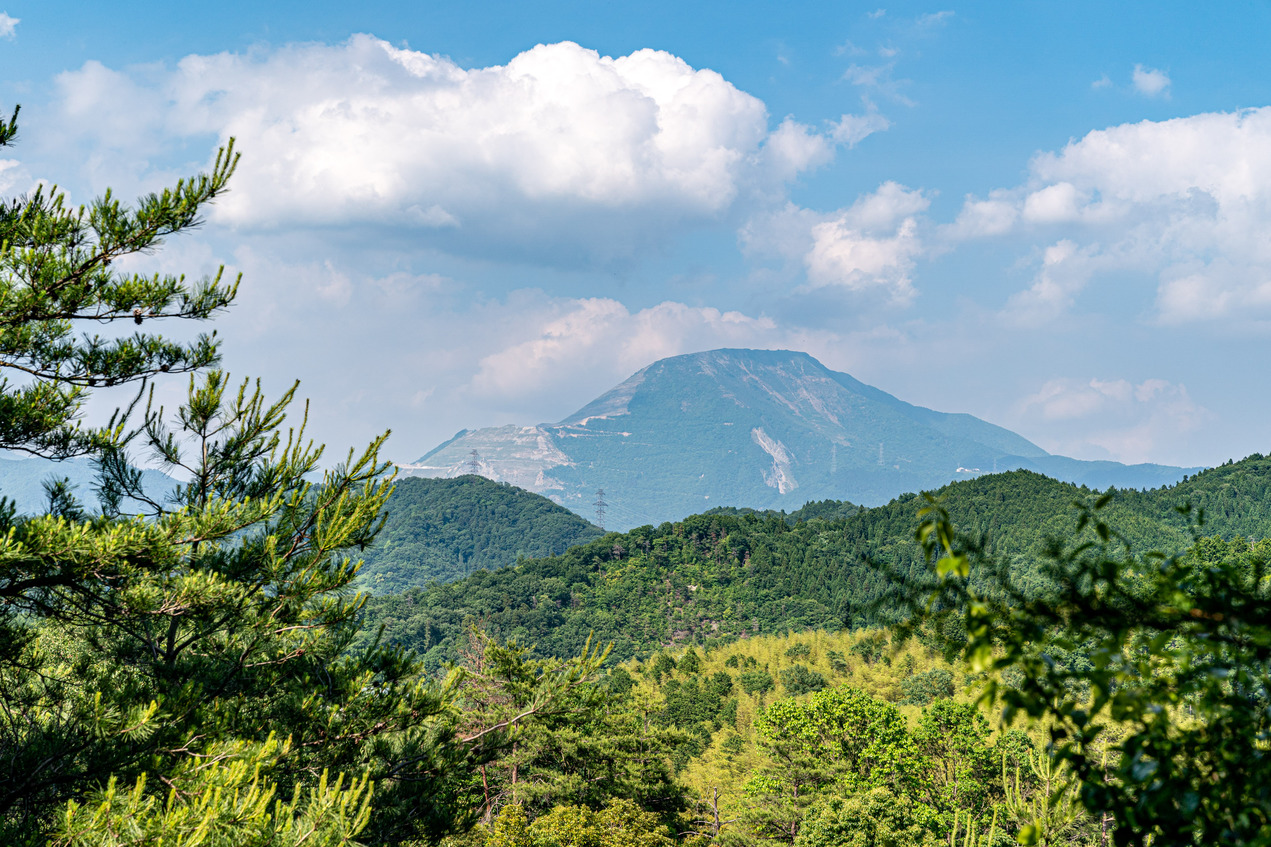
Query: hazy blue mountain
x,y
764,429
22,480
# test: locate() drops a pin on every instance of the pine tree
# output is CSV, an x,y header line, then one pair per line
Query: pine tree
x,y
58,274
185,675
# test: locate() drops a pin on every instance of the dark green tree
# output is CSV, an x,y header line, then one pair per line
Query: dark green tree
x,y
58,274
921,689
586,745
178,676
800,679
755,681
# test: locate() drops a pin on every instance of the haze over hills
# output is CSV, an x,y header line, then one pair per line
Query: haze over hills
x,y
765,429
22,480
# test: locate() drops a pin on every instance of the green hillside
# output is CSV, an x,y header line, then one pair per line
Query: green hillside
x,y
727,576
445,529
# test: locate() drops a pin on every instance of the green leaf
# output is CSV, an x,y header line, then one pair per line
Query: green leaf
x,y
958,565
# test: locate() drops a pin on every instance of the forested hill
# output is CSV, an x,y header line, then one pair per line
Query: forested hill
x,y
445,529
725,575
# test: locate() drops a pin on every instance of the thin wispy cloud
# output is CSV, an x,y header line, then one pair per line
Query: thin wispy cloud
x,y
935,18
877,80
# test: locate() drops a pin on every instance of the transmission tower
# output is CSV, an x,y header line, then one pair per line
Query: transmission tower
x,y
474,462
600,508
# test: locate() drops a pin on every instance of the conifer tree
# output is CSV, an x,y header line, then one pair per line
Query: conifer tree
x,y
58,274
185,676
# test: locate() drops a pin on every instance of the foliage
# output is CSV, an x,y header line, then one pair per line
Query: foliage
x,y
871,649
57,274
961,765
588,742
721,577
1165,725
798,679
137,645
875,818
798,650
197,813
620,823
921,689
1051,812
445,529
755,682
839,736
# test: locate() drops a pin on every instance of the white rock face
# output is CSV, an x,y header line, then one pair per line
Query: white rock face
x,y
780,476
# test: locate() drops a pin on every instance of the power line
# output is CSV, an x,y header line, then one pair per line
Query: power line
x,y
634,517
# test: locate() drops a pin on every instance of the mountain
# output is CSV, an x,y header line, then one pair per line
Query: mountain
x,y
22,480
737,575
763,429
444,529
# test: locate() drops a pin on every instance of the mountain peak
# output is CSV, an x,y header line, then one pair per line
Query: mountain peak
x,y
753,428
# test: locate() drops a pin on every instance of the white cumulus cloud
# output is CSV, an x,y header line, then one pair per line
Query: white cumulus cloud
x,y
8,25
562,152
1186,201
870,246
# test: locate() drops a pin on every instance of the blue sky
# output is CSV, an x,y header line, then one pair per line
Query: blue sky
x,y
1053,216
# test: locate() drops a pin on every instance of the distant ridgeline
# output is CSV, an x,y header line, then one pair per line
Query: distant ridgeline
x,y
22,480
729,575
764,429
445,529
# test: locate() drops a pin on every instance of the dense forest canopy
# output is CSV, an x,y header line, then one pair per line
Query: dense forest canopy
x,y
441,530
730,574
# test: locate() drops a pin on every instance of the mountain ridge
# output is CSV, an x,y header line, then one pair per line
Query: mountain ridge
x,y
440,530
729,574
763,429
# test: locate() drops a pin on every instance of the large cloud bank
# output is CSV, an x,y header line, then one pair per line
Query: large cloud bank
x,y
1187,201
560,147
